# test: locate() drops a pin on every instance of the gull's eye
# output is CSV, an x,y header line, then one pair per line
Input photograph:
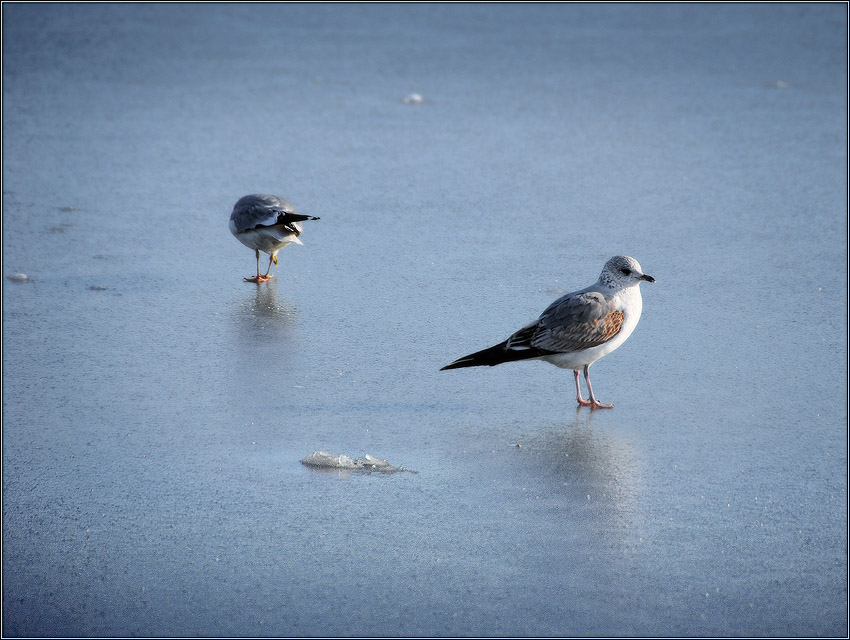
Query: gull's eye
x,y
625,271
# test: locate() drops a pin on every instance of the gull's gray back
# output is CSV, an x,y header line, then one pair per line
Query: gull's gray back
x,y
578,307
258,210
576,321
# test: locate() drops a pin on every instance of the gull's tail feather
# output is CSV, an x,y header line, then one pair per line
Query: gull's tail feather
x,y
493,356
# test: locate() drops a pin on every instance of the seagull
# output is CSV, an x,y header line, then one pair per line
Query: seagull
x,y
578,328
266,223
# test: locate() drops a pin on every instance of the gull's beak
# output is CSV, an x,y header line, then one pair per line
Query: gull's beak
x,y
647,278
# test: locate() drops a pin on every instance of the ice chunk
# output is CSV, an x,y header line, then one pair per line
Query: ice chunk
x,y
322,459
366,463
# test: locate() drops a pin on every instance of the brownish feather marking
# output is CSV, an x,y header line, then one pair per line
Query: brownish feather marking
x,y
610,325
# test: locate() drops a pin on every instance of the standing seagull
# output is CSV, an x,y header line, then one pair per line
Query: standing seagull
x,y
578,328
266,223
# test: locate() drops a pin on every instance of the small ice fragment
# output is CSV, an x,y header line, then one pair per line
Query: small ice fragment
x,y
18,277
413,98
321,459
372,462
345,462
342,461
781,84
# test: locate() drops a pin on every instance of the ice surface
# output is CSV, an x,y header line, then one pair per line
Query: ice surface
x,y
155,405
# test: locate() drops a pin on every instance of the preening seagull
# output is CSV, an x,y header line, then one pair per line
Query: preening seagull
x,y
578,328
266,223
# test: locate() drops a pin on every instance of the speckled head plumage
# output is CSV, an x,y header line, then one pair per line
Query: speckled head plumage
x,y
623,271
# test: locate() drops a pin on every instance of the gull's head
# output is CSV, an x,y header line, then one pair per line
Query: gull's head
x,y
623,271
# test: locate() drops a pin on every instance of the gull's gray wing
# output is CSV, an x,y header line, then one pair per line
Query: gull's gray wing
x,y
260,210
574,322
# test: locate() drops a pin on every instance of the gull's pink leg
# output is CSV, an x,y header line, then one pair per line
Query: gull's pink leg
x,y
258,278
594,403
267,276
579,399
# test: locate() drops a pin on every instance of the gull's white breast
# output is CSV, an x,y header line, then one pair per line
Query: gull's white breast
x,y
630,303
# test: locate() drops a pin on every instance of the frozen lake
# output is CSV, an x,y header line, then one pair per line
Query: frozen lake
x,y
156,407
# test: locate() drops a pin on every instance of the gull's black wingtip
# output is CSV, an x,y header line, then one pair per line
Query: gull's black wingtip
x,y
487,357
466,361
495,355
285,217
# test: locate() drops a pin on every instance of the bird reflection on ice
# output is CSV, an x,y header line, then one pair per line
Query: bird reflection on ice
x,y
267,315
263,327
595,467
